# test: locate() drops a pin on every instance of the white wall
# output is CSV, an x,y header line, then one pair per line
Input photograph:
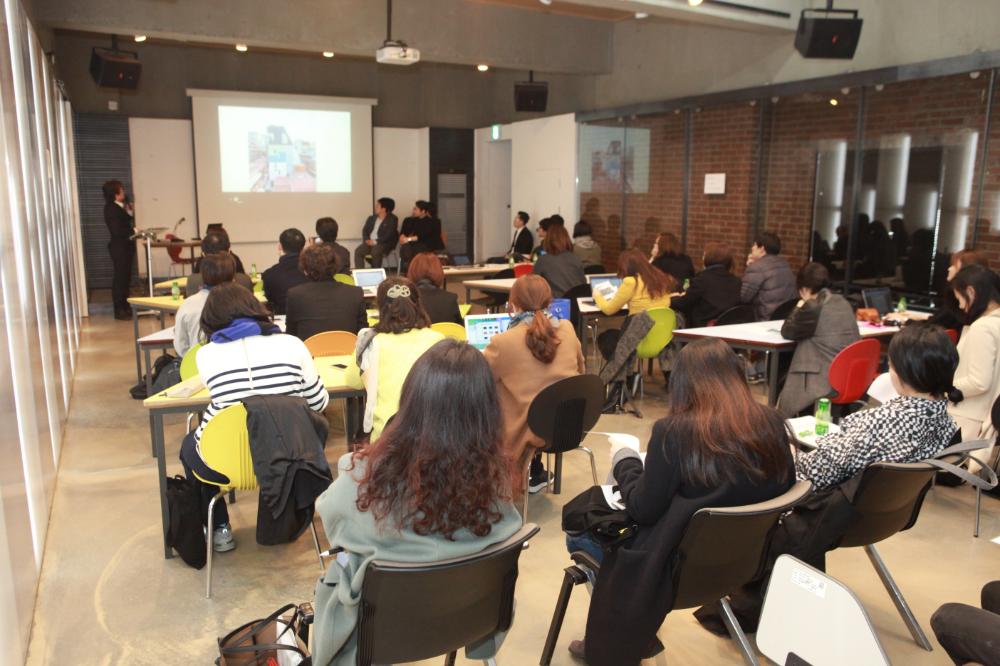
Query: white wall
x,y
543,175
402,166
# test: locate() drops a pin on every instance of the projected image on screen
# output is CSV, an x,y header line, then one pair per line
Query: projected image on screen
x,y
284,150
612,162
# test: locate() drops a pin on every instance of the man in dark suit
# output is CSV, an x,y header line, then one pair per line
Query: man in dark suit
x,y
327,230
285,274
379,235
523,242
323,304
118,217
421,232
214,243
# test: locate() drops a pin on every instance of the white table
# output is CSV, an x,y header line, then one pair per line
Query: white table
x,y
501,286
472,269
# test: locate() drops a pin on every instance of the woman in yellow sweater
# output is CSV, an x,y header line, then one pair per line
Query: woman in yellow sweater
x,y
643,287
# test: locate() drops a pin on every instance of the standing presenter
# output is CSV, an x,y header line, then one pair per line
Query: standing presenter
x,y
121,226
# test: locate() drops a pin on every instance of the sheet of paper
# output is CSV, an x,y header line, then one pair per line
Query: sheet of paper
x,y
612,497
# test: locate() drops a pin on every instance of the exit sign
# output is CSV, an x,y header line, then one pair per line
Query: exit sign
x,y
495,133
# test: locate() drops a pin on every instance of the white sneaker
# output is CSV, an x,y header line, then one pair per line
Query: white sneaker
x,y
222,539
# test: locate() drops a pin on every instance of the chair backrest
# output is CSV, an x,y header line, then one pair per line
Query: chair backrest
x,y
888,500
345,278
332,343
410,612
722,548
853,370
225,447
953,334
450,329
658,337
815,617
523,269
738,314
174,251
782,311
573,293
189,364
565,410
594,269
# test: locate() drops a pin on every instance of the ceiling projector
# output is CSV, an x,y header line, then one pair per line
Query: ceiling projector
x,y
397,53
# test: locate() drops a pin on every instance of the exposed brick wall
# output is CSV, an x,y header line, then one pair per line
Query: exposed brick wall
x,y
725,140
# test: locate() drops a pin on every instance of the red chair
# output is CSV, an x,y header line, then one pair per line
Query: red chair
x,y
175,254
853,370
953,334
523,269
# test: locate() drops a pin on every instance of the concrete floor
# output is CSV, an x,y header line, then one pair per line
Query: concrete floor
x,y
107,596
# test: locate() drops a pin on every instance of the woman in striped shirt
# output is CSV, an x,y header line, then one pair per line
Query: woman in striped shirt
x,y
246,355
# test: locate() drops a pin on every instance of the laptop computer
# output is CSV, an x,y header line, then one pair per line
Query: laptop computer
x,y
480,329
559,308
461,260
879,298
368,279
603,277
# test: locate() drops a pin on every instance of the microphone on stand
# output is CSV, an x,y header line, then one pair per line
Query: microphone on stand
x,y
178,224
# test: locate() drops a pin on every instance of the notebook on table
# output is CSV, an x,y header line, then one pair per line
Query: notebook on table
x,y
480,329
368,279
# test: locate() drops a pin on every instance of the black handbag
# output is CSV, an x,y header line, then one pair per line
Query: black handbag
x,y
589,513
185,532
258,643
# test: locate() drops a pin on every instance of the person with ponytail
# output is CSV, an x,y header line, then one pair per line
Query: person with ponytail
x,y
977,380
386,352
535,351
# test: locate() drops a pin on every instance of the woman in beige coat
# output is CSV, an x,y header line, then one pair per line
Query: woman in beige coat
x,y
535,351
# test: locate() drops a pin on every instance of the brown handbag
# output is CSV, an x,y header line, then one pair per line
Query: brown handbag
x,y
264,642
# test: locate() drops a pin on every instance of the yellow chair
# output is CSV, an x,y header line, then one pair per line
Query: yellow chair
x,y
464,308
332,343
189,364
345,278
225,448
450,329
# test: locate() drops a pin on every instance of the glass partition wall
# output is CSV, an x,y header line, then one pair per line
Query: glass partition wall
x,y
881,182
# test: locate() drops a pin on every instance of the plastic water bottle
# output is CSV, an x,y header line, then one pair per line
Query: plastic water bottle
x,y
510,262
687,283
822,416
175,291
253,271
901,305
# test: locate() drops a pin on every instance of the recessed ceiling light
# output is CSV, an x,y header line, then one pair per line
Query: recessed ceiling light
x,y
694,3
327,54
483,68
545,2
241,48
641,15
140,38
833,101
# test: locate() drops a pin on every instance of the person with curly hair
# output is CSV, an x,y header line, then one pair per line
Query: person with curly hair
x,y
386,352
402,499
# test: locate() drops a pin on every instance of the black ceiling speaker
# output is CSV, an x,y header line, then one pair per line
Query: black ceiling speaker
x,y
115,69
531,95
833,35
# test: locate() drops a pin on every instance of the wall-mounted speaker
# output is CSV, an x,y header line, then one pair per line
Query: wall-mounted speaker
x,y
531,96
833,35
115,69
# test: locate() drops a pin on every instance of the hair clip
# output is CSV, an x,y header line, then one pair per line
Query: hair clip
x,y
398,291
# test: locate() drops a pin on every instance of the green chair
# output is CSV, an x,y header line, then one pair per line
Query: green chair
x,y
651,346
344,278
189,368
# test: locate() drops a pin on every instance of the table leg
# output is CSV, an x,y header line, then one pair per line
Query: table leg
x,y
350,410
149,387
156,432
557,481
135,331
772,377
468,295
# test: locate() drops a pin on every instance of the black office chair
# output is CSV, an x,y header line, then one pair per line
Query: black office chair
x,y
561,414
738,314
494,301
722,549
579,291
411,611
784,310
888,499
594,269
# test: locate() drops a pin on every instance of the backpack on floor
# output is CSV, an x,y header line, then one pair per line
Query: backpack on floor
x,y
138,392
185,530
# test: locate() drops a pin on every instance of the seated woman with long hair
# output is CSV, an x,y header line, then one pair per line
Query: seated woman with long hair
x,y
386,352
562,269
246,355
643,287
532,353
435,487
716,447
441,305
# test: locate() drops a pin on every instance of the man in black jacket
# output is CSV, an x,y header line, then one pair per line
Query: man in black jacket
x,y
285,274
711,292
327,230
118,217
379,235
322,303
214,243
420,233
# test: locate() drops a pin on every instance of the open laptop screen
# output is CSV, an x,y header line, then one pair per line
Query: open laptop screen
x,y
368,277
879,298
480,329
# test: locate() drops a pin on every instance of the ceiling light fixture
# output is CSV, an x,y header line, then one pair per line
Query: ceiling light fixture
x,y
694,3
833,101
241,48
140,38
545,2
327,54
483,68
641,15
